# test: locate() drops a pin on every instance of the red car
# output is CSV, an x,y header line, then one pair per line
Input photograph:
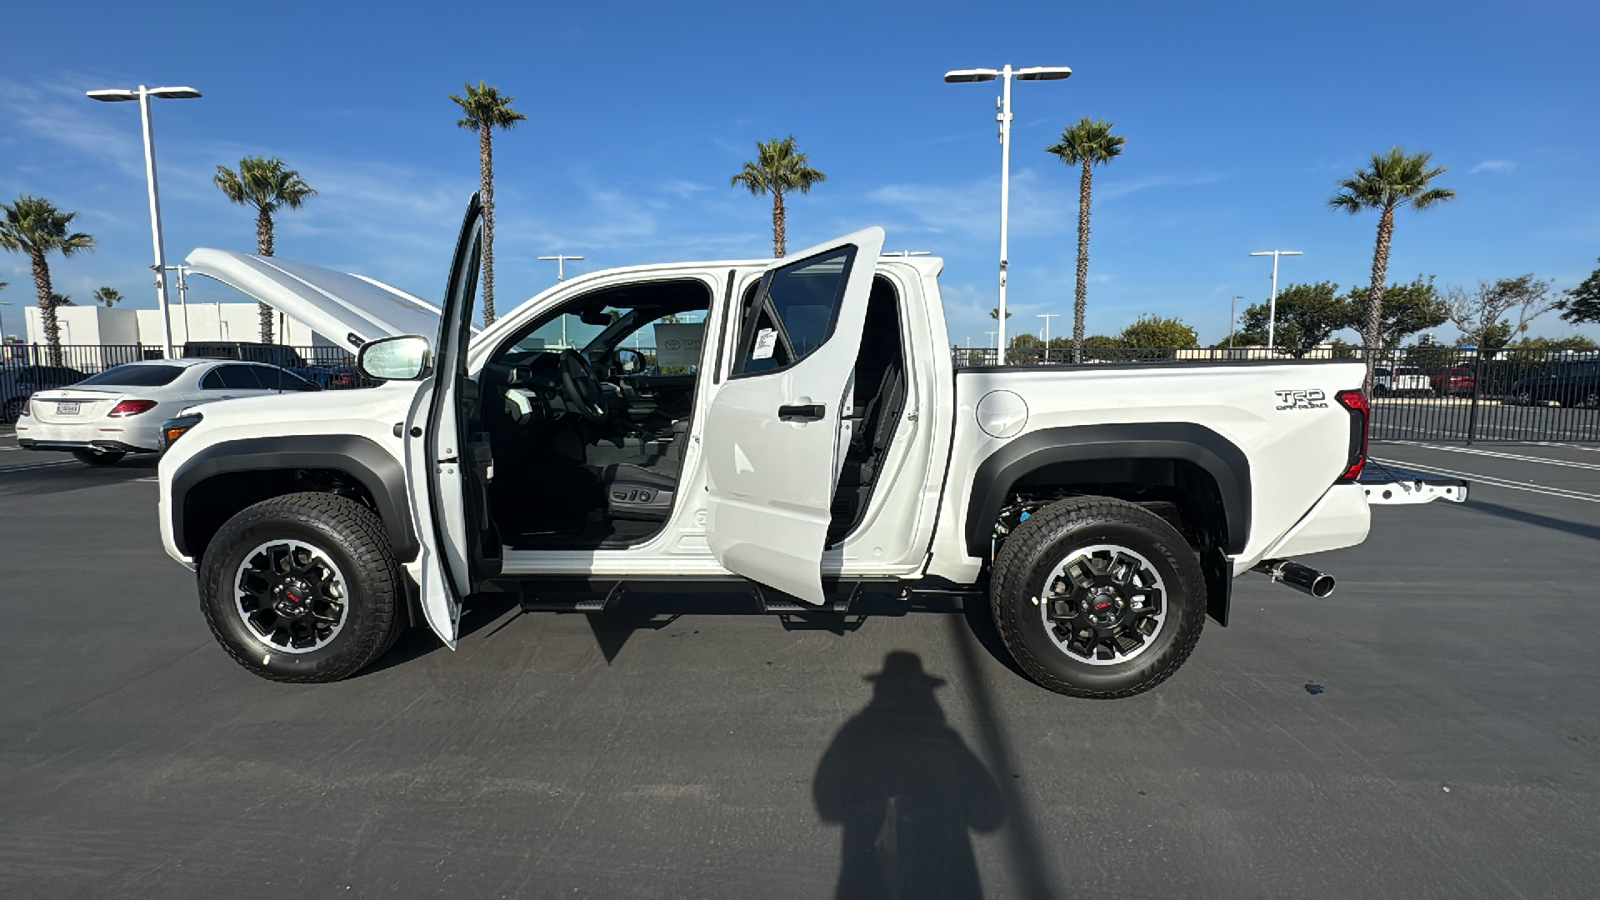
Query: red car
x,y
1453,381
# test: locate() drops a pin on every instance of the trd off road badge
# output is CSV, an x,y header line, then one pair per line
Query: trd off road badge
x,y
1310,399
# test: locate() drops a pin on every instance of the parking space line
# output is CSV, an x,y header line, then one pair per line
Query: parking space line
x,y
1498,454
29,467
1477,479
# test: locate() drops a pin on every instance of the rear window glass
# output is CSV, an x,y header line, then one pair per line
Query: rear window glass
x,y
136,376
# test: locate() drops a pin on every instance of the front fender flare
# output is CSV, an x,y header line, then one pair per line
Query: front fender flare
x,y
361,458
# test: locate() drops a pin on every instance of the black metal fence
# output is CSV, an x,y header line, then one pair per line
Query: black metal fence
x,y
1421,393
58,366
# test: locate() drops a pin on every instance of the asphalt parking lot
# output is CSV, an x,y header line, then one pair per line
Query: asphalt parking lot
x,y
1430,730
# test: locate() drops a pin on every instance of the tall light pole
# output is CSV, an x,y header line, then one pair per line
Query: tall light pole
x,y
1232,305
3,322
561,264
1005,74
143,95
1047,317
1272,305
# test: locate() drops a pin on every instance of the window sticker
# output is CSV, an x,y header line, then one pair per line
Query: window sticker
x,y
766,342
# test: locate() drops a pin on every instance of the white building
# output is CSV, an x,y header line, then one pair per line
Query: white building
x,y
99,325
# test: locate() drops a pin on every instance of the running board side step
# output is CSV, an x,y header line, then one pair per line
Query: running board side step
x,y
577,602
840,606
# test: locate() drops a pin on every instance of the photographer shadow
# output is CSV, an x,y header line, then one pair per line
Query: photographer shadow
x,y
907,792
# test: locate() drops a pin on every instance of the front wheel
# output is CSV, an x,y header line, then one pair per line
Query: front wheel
x,y
302,588
1098,598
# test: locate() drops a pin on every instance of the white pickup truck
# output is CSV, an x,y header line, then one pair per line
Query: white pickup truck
x,y
798,427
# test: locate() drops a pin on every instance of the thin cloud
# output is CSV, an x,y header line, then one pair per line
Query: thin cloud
x,y
63,115
1502,166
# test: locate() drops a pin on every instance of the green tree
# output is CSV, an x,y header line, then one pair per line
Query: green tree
x,y
1571,342
33,225
484,109
994,313
779,168
1407,309
1307,315
1482,313
60,300
1394,180
1087,143
1149,331
266,185
1582,303
107,296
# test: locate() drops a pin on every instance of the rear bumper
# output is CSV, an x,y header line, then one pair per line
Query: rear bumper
x,y
126,435
103,446
1340,519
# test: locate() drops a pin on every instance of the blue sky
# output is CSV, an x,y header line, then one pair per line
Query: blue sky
x,y
1239,120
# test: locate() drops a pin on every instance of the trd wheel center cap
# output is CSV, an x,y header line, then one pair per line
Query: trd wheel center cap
x,y
293,599
1103,607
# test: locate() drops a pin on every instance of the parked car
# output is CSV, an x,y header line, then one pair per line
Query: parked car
x,y
324,376
824,447
18,380
1452,381
105,417
1399,380
1567,383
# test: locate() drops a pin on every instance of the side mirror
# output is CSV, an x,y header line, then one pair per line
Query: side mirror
x,y
403,358
629,362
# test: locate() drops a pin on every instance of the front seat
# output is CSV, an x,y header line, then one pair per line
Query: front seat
x,y
645,491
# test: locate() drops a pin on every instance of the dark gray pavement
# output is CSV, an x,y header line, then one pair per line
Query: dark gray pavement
x,y
1431,730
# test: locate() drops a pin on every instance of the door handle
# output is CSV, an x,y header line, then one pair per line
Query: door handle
x,y
804,412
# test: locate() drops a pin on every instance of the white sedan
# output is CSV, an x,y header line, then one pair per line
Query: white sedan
x,y
119,411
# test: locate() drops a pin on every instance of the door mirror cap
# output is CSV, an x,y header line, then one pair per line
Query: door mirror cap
x,y
407,357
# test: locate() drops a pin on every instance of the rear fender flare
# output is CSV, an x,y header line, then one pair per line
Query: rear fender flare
x,y
1186,441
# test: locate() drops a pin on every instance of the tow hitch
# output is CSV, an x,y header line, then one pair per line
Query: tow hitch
x,y
1304,579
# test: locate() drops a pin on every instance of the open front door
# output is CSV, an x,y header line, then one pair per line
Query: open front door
x,y
772,432
448,463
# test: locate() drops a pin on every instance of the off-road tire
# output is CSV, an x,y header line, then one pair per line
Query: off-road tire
x,y
108,458
353,538
1048,537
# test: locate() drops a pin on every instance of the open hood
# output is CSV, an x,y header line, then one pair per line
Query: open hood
x,y
346,309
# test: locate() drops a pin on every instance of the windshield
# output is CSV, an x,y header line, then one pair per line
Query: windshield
x,y
135,376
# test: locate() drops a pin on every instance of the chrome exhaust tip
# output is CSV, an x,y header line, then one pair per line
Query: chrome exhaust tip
x,y
1304,579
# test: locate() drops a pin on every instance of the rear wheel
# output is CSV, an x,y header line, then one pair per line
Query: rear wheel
x,y
99,457
12,410
1098,598
302,588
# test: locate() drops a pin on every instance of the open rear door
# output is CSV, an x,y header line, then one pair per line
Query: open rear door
x,y
772,431
447,462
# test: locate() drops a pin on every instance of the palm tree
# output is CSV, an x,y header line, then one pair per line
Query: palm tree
x,y
1087,143
109,296
1394,180
485,111
268,185
34,226
778,169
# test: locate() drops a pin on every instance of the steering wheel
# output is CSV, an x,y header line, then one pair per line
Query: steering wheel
x,y
581,387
